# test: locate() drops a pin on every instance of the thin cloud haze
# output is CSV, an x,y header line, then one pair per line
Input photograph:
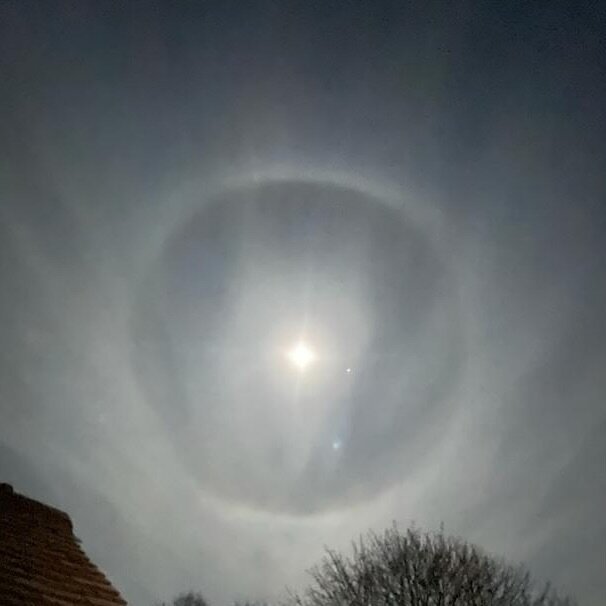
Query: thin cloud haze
x,y
186,189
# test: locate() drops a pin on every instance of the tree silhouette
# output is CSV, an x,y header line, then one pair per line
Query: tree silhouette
x,y
187,599
415,569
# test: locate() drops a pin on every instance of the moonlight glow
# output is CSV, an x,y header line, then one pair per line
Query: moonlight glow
x,y
301,356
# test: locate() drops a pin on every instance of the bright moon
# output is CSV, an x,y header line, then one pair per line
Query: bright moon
x,y
301,356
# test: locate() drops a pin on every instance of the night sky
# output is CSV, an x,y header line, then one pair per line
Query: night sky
x,y
414,191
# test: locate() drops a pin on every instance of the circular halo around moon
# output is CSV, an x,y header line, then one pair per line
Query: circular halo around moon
x,y
236,275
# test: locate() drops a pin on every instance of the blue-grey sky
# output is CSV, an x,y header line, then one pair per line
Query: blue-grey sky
x,y
415,190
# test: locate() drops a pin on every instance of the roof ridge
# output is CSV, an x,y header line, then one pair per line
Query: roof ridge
x,y
42,561
8,495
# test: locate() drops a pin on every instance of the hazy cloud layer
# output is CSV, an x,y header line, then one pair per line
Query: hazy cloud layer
x,y
186,189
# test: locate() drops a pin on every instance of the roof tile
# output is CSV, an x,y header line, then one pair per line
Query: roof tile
x,y
41,561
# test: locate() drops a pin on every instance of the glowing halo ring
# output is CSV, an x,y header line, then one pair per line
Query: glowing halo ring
x,y
193,196
426,219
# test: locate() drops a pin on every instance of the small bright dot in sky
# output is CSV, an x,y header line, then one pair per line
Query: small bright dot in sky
x,y
336,445
301,356
348,370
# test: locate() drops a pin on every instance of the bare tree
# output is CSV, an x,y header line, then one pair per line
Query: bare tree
x,y
187,599
420,569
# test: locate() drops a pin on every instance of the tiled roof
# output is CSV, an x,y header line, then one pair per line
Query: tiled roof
x,y
41,561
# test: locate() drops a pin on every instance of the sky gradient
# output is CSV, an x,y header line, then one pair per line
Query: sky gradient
x,y
418,191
